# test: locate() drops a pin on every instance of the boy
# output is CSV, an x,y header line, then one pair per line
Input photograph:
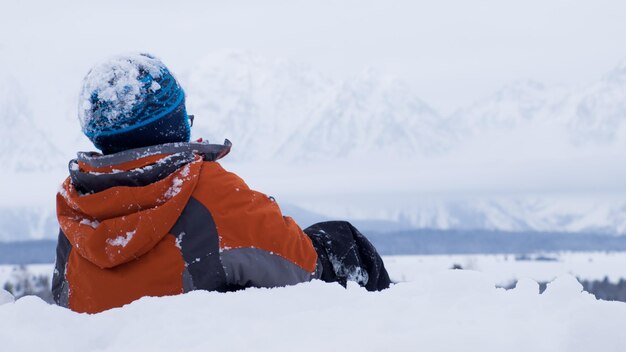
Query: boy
x,y
156,214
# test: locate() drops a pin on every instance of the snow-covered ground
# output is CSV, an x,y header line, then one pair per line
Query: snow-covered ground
x,y
7,271
432,310
506,269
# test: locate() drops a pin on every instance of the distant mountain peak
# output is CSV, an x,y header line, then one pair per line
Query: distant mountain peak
x,y
24,147
521,88
592,114
281,109
618,74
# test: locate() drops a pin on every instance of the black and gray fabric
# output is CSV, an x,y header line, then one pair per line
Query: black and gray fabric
x,y
346,255
209,152
92,182
180,155
254,267
60,288
196,236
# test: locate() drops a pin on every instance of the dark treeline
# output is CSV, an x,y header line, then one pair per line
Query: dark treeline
x,y
24,283
28,252
490,242
606,290
602,289
403,242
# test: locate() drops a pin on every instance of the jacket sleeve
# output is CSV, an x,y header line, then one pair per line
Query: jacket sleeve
x,y
60,287
259,247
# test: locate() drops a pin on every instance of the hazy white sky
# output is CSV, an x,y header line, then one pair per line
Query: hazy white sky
x,y
451,51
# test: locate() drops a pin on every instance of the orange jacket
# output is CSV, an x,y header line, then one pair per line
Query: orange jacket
x,y
168,219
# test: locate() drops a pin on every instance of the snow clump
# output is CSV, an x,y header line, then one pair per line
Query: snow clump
x,y
5,297
121,241
94,224
118,82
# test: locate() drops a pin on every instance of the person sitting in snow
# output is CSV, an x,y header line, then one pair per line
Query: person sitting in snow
x,y
155,214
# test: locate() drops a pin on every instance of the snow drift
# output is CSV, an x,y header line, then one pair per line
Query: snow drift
x,y
446,311
5,297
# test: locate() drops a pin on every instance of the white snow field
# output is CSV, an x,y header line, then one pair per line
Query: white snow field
x,y
8,271
505,269
445,311
431,309
5,297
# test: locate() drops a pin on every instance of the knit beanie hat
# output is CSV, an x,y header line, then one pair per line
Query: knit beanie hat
x,y
132,101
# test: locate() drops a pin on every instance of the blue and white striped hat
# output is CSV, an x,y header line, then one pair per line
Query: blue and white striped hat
x,y
132,101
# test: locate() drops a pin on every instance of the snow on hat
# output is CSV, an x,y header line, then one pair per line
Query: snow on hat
x,y
132,101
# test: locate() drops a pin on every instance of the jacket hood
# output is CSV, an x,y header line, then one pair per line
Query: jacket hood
x,y
115,208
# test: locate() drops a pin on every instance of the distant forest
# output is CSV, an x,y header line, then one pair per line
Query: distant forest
x,y
491,242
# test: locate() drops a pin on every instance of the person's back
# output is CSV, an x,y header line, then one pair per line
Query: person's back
x,y
157,215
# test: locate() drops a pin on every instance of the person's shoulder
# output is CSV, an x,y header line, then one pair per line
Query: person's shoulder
x,y
214,174
216,169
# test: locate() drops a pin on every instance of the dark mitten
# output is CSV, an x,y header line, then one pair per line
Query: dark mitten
x,y
346,255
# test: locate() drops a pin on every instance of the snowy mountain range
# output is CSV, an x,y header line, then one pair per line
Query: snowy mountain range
x,y
591,114
511,212
278,112
24,147
277,109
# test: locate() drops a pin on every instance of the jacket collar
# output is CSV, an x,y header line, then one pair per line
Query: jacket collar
x,y
209,152
93,172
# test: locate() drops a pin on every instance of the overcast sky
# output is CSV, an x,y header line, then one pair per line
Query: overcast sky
x,y
451,51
